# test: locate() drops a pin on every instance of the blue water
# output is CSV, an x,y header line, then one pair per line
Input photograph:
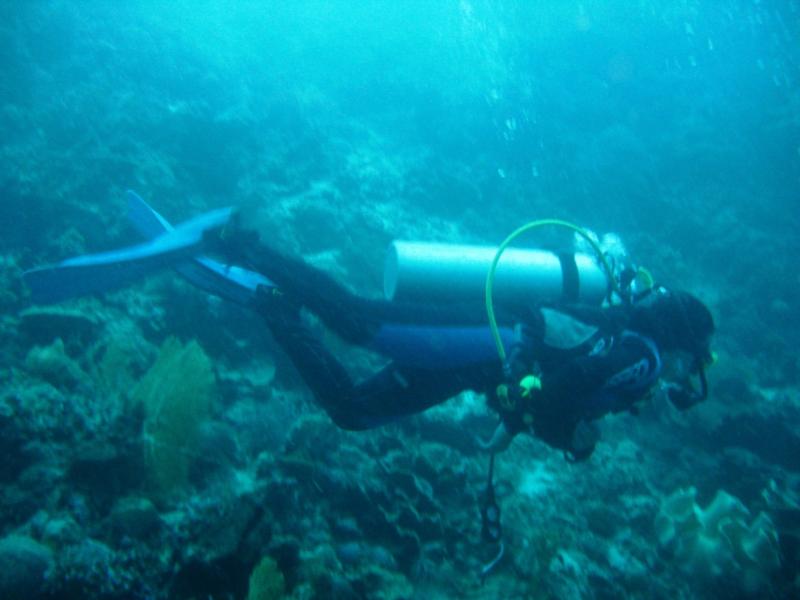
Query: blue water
x,y
338,126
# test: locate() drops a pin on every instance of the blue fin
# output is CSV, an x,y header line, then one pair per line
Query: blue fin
x,y
144,219
226,281
106,271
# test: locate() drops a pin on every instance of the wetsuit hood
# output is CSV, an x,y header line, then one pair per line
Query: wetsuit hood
x,y
675,320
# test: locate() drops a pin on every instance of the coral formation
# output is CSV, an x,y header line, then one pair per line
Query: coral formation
x,y
176,393
266,581
52,364
720,540
24,564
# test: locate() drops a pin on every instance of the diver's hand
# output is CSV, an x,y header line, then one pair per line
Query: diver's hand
x,y
681,396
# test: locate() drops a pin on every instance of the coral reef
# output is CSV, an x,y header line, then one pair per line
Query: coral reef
x,y
139,468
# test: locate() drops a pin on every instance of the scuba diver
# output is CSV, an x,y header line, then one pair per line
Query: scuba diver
x,y
572,341
569,364
570,360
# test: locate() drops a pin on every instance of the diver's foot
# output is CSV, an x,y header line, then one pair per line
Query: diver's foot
x,y
233,241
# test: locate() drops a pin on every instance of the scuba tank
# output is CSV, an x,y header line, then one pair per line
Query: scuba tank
x,y
430,271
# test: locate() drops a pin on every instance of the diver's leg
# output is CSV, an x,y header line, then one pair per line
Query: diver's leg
x,y
391,393
354,318
398,391
323,374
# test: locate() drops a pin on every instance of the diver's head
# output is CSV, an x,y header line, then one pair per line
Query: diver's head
x,y
675,320
680,325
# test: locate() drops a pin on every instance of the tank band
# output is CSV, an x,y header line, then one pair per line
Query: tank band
x,y
569,276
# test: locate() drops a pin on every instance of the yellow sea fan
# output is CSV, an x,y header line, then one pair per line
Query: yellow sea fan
x,y
176,393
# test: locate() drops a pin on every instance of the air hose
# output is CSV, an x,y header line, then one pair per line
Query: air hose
x,y
501,351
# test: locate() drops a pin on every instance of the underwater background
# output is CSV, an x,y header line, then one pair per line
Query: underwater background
x,y
156,443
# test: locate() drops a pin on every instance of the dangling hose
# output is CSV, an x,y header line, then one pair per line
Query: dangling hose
x,y
501,351
491,528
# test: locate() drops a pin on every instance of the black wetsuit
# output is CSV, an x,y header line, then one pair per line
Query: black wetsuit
x,y
607,370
